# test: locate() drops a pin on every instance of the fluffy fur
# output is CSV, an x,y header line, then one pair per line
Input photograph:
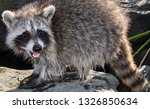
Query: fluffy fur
x,y
82,33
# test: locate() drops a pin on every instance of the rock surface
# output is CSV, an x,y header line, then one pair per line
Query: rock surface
x,y
145,70
97,81
10,79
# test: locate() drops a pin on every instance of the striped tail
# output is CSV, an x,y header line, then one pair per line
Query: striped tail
x,y
126,70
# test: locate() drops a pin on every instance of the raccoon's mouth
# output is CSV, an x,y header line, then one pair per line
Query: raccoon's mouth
x,y
35,54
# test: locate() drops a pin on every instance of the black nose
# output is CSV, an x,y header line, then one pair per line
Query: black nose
x,y
37,48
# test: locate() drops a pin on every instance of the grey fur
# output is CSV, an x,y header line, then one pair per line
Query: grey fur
x,y
83,33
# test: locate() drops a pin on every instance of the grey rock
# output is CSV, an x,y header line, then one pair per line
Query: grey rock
x,y
139,11
145,70
97,82
133,4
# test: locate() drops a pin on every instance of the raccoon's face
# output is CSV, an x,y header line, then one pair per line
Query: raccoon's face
x,y
29,35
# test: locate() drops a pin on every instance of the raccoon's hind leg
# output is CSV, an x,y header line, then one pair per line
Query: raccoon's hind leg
x,y
126,70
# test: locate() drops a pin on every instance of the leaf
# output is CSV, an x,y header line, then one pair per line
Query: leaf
x,y
146,43
136,37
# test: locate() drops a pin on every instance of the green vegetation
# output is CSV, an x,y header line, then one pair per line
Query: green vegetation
x,y
136,37
145,44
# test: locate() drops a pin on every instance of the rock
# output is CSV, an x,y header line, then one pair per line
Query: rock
x,y
140,18
97,81
145,70
10,78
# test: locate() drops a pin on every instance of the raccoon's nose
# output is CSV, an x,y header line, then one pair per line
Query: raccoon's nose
x,y
37,48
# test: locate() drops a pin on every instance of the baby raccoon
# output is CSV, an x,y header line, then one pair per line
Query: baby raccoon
x,y
81,33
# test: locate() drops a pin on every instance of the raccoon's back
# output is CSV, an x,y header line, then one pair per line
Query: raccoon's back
x,y
88,26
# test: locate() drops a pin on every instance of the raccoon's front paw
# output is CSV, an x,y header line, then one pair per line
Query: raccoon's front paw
x,y
31,81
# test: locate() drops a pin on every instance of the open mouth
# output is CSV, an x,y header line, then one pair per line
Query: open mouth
x,y
35,54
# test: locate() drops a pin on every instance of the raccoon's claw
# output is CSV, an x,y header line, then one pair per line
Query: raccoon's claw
x,y
30,82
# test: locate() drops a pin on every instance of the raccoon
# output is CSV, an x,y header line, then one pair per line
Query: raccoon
x,y
81,33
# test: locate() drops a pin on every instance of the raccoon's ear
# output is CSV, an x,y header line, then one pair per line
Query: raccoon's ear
x,y
7,17
48,12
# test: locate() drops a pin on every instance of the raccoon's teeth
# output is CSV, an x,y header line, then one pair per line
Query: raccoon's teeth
x,y
35,54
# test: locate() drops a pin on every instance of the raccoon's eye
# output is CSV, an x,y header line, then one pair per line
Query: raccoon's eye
x,y
23,38
44,36
42,33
